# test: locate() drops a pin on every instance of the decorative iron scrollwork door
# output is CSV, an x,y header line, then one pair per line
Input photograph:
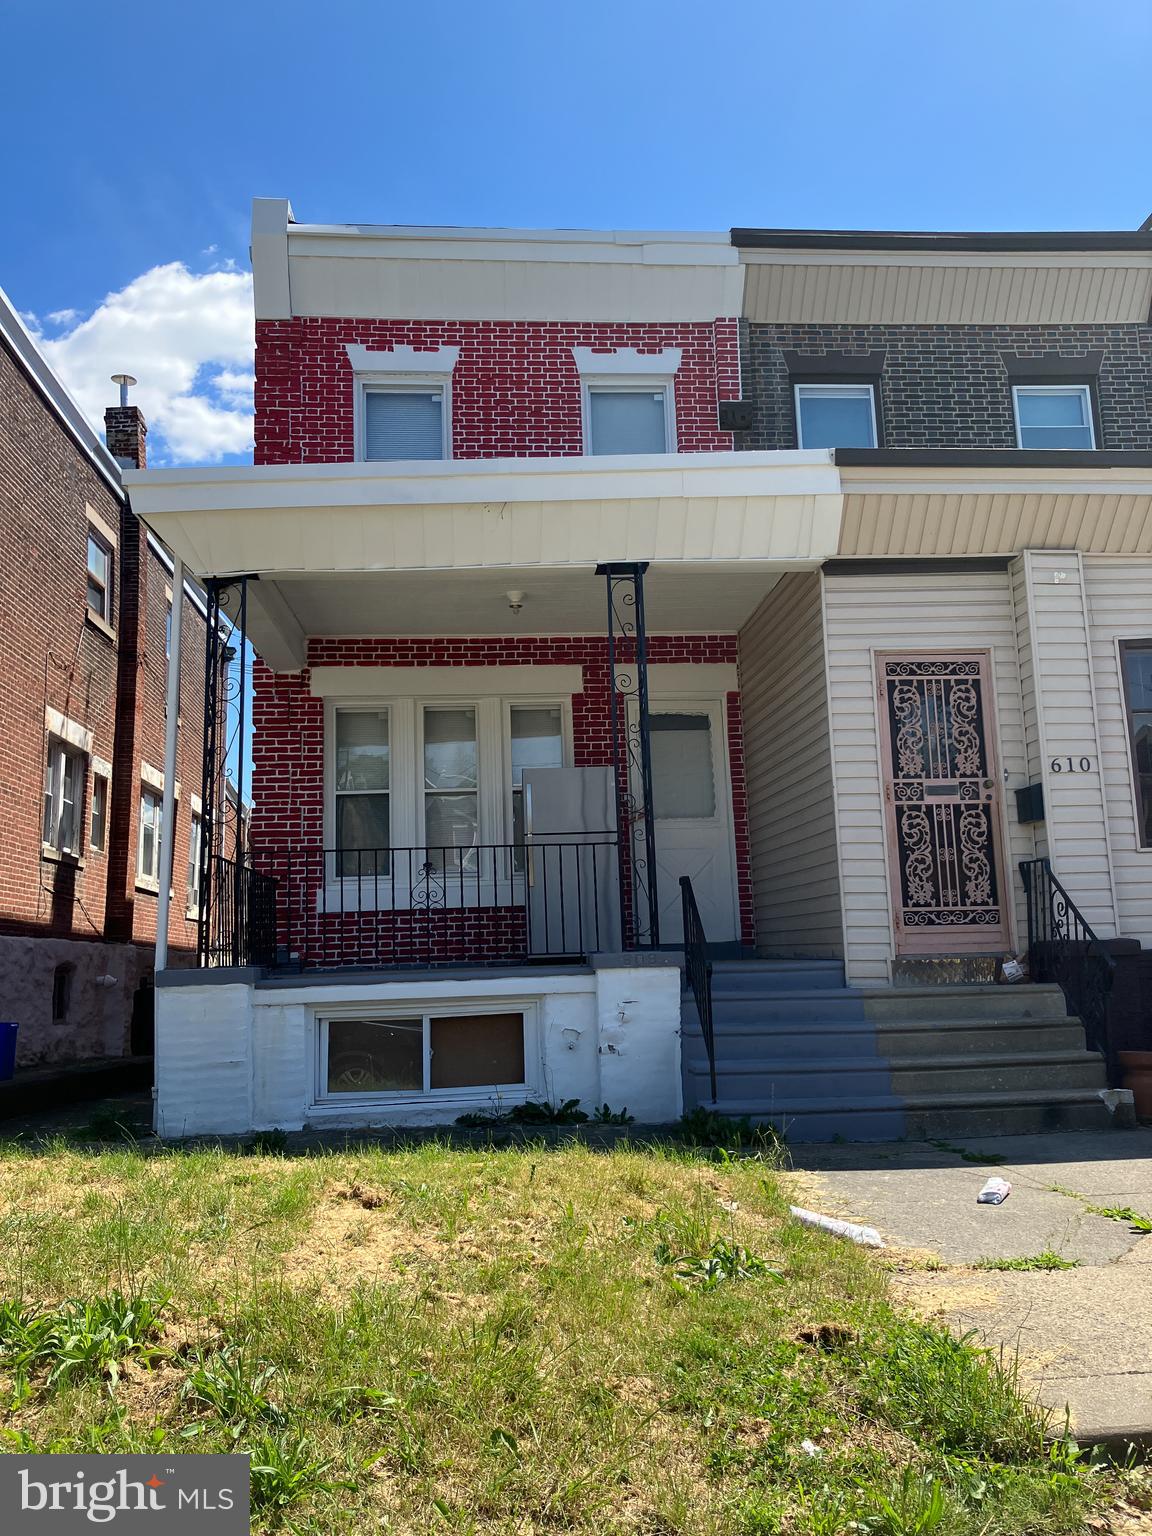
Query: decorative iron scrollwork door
x,y
942,794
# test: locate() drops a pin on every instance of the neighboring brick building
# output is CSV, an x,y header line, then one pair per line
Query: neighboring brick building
x,y
84,590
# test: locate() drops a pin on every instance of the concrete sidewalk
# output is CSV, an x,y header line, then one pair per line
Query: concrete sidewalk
x,y
1083,1335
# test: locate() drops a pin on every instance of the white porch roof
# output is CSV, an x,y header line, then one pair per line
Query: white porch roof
x,y
433,548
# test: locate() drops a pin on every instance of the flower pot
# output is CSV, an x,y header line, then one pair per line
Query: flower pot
x,y
1137,1069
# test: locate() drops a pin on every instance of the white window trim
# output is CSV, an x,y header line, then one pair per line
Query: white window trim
x,y
1054,389
625,384
826,388
70,732
403,369
450,1007
406,797
145,882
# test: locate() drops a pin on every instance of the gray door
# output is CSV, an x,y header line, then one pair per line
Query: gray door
x,y
572,891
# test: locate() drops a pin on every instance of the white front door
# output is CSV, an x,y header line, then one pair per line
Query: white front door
x,y
692,802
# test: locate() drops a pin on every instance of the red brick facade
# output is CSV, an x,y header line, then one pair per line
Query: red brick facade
x,y
107,680
288,755
515,388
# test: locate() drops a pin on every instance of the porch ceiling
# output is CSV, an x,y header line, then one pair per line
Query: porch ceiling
x,y
433,548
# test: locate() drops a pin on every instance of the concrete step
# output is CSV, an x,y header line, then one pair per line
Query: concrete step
x,y
943,1118
885,1004
977,1037
776,975
1035,1071
785,1007
769,1082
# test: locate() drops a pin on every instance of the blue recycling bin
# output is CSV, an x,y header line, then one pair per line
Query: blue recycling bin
x,y
8,1050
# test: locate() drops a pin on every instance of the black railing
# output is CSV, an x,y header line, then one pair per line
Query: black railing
x,y
698,972
491,904
1063,948
241,921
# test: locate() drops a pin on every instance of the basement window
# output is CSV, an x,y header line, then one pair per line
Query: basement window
x,y
61,993
452,1054
1053,415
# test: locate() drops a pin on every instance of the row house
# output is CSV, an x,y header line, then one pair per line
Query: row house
x,y
764,609
86,593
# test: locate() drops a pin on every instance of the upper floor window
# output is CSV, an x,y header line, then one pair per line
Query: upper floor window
x,y
148,847
64,772
625,418
1053,415
99,576
404,421
835,416
98,837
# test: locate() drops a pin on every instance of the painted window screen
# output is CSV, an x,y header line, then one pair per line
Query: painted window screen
x,y
475,1050
835,416
404,424
1136,659
1053,416
363,785
683,786
451,785
627,420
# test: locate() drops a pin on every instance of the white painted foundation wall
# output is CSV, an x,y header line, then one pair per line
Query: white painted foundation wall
x,y
234,1057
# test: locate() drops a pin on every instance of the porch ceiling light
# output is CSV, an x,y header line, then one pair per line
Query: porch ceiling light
x,y
515,601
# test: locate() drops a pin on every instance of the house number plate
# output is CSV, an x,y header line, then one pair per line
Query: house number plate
x,y
1070,764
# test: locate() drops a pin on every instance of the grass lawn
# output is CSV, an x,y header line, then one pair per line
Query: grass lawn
x,y
514,1340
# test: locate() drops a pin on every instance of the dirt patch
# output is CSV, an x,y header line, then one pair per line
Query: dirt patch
x,y
348,1241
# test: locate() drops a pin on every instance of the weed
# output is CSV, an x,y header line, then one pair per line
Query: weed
x,y
702,1127
530,1112
1125,1213
916,1507
723,1261
1036,1261
286,1469
234,1389
603,1114
106,1124
265,1144
80,1339
967,1154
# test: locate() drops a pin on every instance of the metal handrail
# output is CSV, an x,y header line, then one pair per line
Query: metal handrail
x,y
241,929
698,970
1063,948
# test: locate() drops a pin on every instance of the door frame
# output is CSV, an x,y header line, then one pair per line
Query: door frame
x,y
945,941
675,702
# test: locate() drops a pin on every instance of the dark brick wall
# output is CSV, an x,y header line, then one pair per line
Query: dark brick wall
x,y
946,386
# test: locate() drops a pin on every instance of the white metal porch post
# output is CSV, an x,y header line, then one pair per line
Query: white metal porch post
x,y
171,727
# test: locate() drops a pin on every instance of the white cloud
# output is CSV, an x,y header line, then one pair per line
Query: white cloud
x,y
63,316
188,338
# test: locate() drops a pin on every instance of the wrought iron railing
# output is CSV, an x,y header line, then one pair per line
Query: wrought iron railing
x,y
698,972
1063,948
241,916
490,904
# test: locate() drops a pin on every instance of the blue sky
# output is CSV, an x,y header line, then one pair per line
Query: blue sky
x,y
143,147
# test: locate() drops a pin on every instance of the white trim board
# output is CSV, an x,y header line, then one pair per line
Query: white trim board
x,y
354,682
627,361
688,679
407,360
68,731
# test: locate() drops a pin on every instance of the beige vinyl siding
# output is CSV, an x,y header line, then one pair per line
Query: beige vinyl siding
x,y
887,288
937,611
1018,577
1075,820
796,884
1119,594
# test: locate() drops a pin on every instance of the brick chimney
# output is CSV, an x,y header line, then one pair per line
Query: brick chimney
x,y
125,429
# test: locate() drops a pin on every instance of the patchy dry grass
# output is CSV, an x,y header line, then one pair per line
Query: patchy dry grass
x,y
634,1341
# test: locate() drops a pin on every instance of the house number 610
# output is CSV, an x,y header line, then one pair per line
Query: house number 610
x,y
1071,765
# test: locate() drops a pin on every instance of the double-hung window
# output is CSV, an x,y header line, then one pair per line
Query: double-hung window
x,y
362,787
451,787
1136,666
99,576
404,421
1053,416
148,846
64,773
195,845
835,415
628,418
438,782
98,838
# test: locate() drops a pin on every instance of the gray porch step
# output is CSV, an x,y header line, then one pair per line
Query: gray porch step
x,y
776,975
882,1004
907,1078
978,1037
